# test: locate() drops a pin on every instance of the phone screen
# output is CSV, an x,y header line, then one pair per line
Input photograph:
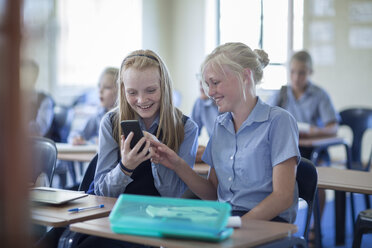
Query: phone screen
x,y
132,126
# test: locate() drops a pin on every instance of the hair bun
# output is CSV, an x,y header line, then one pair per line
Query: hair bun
x,y
262,57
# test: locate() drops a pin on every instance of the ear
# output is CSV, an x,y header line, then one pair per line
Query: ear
x,y
247,75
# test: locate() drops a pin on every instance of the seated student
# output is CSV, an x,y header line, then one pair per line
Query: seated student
x,y
307,102
253,151
145,95
204,113
107,95
40,104
310,104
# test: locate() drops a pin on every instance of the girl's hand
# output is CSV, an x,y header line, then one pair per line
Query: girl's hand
x,y
162,154
131,158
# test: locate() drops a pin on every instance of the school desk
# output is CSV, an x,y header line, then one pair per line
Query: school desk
x,y
58,215
252,233
80,153
318,144
201,168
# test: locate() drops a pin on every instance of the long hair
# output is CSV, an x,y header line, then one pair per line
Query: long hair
x,y
170,118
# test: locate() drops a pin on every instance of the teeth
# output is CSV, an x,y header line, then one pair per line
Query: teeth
x,y
145,107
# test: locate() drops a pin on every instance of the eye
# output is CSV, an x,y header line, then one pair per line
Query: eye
x,y
215,83
131,93
151,90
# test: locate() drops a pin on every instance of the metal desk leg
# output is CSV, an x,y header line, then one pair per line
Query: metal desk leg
x,y
340,201
317,222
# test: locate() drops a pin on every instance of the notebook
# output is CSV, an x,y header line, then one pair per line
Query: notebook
x,y
54,196
171,217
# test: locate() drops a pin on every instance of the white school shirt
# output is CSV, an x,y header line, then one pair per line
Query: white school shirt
x,y
244,161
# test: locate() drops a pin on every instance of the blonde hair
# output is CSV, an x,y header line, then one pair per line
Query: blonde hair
x,y
237,56
170,127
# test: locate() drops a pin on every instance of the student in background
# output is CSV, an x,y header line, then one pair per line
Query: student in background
x,y
108,92
309,104
204,113
253,151
40,104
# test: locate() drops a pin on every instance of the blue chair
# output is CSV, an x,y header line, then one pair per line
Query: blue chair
x,y
359,120
307,180
44,152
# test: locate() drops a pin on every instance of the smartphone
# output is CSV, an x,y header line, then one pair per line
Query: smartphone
x,y
132,126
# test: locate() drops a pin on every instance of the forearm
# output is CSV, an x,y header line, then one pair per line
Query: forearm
x,y
270,207
328,130
200,186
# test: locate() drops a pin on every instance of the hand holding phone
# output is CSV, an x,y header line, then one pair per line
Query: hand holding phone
x,y
132,126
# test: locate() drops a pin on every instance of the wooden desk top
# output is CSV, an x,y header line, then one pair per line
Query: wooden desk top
x,y
83,153
345,180
201,168
58,215
253,233
311,142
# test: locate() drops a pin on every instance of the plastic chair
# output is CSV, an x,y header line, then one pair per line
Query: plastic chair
x,y
307,179
359,120
89,174
44,152
362,225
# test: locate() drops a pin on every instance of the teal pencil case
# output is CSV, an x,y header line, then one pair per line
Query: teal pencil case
x,y
170,217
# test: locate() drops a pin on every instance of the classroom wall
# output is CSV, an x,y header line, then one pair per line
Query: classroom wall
x,y
175,29
342,67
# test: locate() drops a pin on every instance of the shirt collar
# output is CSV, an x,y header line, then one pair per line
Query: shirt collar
x,y
153,126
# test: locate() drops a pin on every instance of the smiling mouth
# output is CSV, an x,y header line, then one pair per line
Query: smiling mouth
x,y
145,107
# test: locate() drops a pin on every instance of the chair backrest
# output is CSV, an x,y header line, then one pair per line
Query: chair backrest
x,y
359,120
44,157
307,179
89,175
61,123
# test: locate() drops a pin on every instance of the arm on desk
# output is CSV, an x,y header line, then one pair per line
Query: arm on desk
x,y
329,130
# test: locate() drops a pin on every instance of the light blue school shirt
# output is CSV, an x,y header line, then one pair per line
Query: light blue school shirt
x,y
91,128
204,113
314,106
244,161
44,118
111,181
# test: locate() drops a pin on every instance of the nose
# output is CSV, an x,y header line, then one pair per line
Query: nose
x,y
211,91
141,98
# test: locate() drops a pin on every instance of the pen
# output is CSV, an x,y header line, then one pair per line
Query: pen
x,y
86,208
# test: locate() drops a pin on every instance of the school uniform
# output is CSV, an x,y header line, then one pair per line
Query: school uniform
x,y
313,107
111,181
244,160
42,114
204,113
91,128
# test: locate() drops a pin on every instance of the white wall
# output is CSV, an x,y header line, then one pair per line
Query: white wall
x,y
348,77
175,29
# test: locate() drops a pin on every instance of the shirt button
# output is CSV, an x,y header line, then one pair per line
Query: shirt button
x,y
232,157
230,178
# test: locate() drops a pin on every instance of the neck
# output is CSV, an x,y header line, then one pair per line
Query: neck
x,y
244,111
